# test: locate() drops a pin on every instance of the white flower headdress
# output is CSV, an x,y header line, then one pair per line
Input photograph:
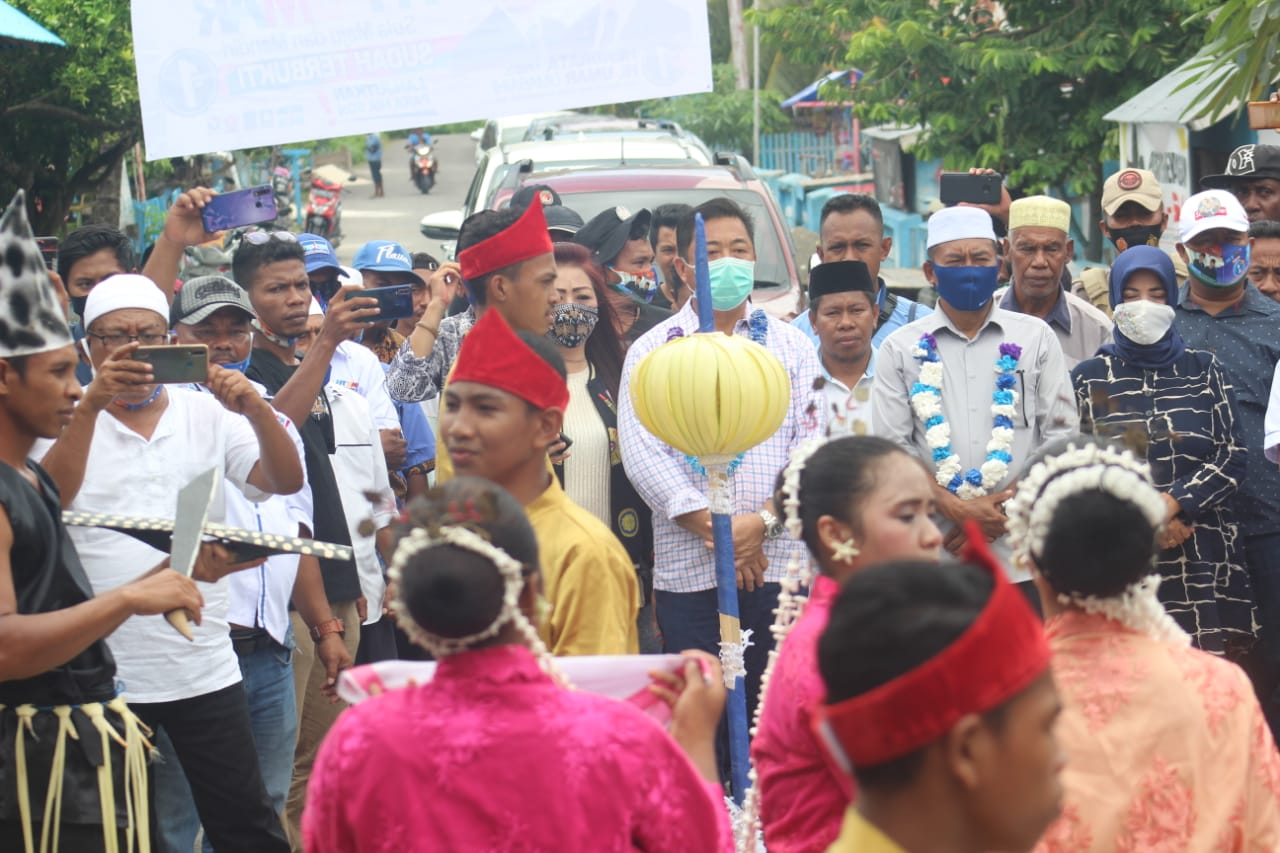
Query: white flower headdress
x,y
513,579
1078,469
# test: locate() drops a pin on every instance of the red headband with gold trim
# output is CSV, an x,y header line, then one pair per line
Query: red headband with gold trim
x,y
526,238
493,355
997,657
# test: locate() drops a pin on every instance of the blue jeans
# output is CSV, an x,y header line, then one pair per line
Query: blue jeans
x,y
691,620
268,682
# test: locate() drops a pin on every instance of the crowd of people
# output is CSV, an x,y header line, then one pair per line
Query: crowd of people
x,y
1010,565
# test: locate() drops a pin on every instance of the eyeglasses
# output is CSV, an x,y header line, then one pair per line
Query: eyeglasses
x,y
208,336
148,339
257,238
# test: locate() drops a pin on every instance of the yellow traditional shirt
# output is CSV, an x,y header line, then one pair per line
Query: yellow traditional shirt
x,y
587,577
859,836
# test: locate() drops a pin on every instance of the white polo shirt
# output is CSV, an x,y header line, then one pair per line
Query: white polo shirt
x,y
127,474
360,467
355,367
260,596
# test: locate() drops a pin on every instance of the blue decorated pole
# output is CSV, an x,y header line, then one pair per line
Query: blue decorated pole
x,y
720,502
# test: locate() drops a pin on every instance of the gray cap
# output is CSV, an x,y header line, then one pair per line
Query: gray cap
x,y
200,297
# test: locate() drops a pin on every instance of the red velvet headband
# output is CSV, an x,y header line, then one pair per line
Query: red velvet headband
x,y
492,355
997,657
526,238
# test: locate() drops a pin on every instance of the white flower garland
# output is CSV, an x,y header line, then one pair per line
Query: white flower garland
x,y
1137,607
926,402
746,822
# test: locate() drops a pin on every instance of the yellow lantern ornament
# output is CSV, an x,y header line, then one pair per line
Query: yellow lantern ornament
x,y
713,397
710,395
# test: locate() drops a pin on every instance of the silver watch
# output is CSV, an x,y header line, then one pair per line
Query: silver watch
x,y
772,524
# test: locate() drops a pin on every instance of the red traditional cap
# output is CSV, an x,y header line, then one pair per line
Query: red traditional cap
x,y
526,238
493,355
996,658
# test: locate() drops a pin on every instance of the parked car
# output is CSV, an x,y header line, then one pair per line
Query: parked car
x,y
508,130
591,190
503,165
579,125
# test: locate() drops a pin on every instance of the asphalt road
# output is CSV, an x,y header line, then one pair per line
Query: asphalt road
x,y
395,216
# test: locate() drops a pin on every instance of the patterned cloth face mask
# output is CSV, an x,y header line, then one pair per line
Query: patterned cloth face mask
x,y
1223,265
572,323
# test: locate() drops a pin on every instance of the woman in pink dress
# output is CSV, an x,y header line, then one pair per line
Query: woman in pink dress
x,y
855,502
494,753
1167,748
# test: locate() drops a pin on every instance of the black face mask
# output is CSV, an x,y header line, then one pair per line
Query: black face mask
x,y
1135,235
77,305
458,304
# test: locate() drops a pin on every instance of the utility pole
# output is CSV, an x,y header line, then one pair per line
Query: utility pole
x,y
737,44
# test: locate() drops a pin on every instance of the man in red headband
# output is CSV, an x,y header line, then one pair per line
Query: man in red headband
x,y
503,407
506,264
940,702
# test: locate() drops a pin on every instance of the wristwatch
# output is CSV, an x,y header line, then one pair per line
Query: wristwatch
x,y
772,524
331,626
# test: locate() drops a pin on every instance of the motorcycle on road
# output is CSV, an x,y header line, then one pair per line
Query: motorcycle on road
x,y
323,212
423,167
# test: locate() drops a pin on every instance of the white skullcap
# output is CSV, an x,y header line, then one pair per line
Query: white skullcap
x,y
959,223
353,276
1040,211
125,290
315,310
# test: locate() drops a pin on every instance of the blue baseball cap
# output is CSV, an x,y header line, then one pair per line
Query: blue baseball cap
x,y
385,256
319,254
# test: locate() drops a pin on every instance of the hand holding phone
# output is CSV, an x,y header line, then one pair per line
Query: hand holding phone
x,y
252,206
395,302
176,364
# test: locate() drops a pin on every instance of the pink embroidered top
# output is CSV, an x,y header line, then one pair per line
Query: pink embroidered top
x,y
803,794
1167,749
493,755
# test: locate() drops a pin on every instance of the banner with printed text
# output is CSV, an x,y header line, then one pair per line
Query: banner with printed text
x,y
218,75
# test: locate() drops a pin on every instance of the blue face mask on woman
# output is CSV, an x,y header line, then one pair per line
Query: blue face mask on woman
x,y
731,282
966,288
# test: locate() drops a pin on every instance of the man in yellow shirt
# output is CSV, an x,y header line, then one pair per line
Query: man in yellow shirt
x,y
503,406
941,704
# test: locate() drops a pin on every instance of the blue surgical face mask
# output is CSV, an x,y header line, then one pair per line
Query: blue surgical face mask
x,y
731,282
240,366
966,288
1224,265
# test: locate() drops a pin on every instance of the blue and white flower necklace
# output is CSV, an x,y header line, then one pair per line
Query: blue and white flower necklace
x,y
758,331
926,401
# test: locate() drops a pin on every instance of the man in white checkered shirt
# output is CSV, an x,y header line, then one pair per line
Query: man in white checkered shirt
x,y
684,577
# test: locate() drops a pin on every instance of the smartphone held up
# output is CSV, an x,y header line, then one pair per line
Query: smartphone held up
x,y
252,206
962,187
176,364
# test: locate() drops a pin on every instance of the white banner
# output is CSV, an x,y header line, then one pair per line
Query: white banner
x,y
218,75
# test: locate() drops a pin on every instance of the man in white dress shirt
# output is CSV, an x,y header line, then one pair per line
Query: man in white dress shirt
x,y
1002,382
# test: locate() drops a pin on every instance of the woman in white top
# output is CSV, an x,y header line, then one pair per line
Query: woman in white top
x,y
591,470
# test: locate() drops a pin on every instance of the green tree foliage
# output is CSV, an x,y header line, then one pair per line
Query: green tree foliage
x,y
1239,53
723,117
1020,87
67,114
